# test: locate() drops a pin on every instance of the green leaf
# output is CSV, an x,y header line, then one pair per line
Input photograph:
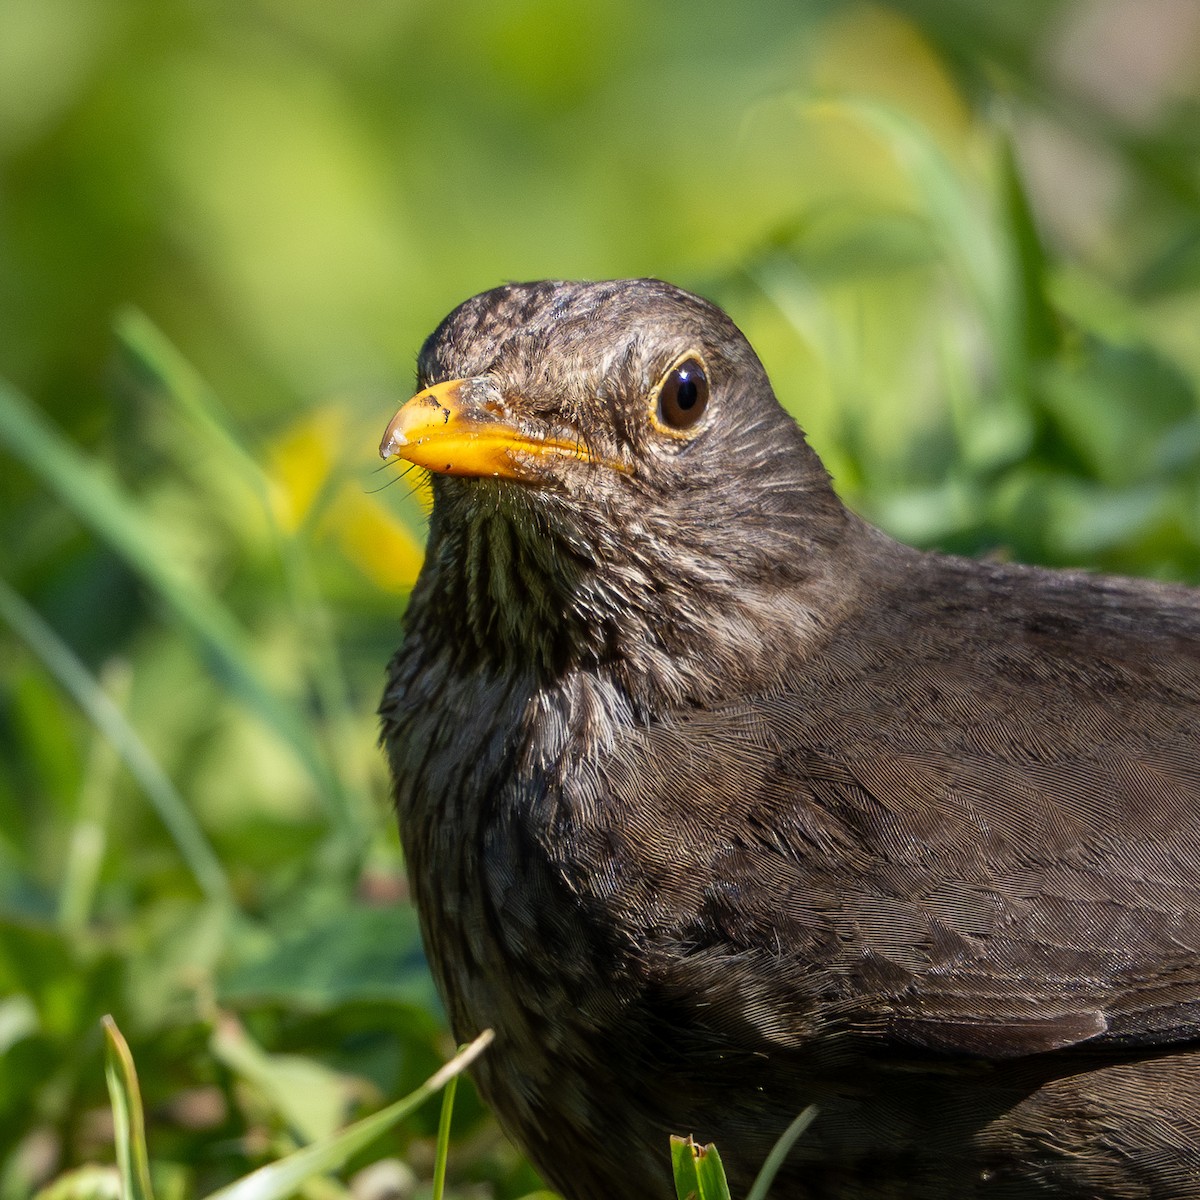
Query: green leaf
x,y
699,1173
711,1173
129,1123
84,1183
311,1099
1149,427
281,1179
683,1165
1039,323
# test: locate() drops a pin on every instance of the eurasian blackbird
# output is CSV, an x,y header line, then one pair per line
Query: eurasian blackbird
x,y
718,803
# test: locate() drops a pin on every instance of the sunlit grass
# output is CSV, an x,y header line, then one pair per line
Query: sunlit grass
x,y
224,237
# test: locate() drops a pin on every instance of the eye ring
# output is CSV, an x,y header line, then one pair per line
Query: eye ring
x,y
680,398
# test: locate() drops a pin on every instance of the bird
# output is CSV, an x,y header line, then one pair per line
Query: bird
x,y
718,803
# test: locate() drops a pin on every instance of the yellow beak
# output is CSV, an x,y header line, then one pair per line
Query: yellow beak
x,y
463,427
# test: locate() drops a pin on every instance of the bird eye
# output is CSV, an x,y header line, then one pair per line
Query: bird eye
x,y
683,395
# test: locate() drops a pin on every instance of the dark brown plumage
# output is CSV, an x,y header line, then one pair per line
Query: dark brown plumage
x,y
718,803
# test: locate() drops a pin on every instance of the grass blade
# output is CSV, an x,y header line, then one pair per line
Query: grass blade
x,y
89,830
699,1173
443,1140
129,1123
1039,326
779,1152
954,211
96,501
62,663
170,372
711,1173
281,1179
172,376
683,1166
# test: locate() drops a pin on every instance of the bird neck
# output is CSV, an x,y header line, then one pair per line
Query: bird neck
x,y
498,597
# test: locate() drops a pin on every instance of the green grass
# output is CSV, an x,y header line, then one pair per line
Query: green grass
x,y
700,1175
287,1175
225,233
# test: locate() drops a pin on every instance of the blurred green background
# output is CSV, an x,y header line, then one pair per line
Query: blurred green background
x,y
964,236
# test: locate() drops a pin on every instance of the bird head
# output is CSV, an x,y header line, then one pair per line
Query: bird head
x,y
613,479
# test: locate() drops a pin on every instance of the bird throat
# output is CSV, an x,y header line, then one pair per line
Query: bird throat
x,y
496,592
509,590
